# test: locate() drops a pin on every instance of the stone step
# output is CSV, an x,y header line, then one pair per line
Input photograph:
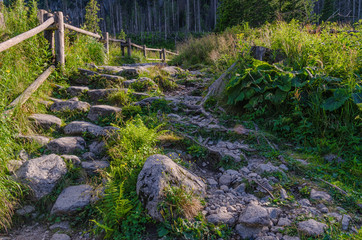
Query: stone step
x,y
78,128
34,138
72,199
92,167
70,105
90,73
45,121
98,111
67,145
76,91
96,95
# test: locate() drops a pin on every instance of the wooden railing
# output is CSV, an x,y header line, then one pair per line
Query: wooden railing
x,y
53,27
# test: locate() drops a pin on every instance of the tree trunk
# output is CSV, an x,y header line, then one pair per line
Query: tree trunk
x,y
187,15
359,9
165,20
199,15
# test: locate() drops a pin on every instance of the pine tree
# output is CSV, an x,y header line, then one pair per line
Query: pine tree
x,y
92,20
327,10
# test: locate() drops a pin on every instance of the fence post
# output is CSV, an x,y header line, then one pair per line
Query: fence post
x,y
2,20
144,51
59,39
129,45
163,55
41,15
107,42
49,35
122,48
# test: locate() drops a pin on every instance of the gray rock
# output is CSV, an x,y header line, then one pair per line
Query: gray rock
x,y
224,188
345,222
102,94
321,207
14,165
89,156
311,227
129,73
72,199
97,147
305,202
147,101
158,172
274,212
26,210
60,225
173,155
76,91
222,218
320,195
286,237
284,222
42,174
240,189
72,158
267,168
23,155
335,215
98,111
212,182
60,236
110,131
41,140
255,216
78,128
70,105
93,166
67,145
228,177
46,121
283,194
284,167
247,232
267,238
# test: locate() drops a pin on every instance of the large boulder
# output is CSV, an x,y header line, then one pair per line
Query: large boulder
x,y
73,199
101,94
76,91
320,195
42,174
159,172
67,145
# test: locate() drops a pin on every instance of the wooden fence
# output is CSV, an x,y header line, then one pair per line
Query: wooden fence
x,y
53,27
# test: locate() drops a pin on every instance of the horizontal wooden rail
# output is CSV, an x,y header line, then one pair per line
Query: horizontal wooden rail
x,y
137,46
117,40
154,49
172,53
32,88
70,27
26,35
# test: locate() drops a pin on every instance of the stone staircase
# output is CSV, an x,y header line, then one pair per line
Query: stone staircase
x,y
80,142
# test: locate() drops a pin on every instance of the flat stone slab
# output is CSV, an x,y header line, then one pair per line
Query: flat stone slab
x,y
312,228
100,94
320,195
46,121
60,236
76,91
41,140
222,218
67,145
93,166
78,128
42,174
98,111
73,199
70,105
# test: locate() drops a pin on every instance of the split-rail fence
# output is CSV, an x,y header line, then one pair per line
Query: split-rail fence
x,y
53,26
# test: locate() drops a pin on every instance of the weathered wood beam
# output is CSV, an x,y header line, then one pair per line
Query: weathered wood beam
x,y
75,29
26,35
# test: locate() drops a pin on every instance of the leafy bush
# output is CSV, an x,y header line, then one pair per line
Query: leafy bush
x,y
120,213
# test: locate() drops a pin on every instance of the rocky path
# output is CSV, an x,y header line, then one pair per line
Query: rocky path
x,y
249,197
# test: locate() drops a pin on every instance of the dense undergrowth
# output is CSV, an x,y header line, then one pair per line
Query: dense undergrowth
x,y
311,99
